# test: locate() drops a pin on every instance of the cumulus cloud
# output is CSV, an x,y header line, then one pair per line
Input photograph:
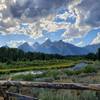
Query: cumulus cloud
x,y
87,13
80,44
15,43
32,8
96,40
90,12
39,15
15,12
35,8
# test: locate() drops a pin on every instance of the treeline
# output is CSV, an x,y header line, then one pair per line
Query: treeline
x,y
93,56
13,54
89,56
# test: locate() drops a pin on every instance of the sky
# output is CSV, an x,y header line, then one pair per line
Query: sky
x,y
72,21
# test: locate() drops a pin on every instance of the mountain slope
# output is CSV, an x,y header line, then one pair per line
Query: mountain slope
x,y
93,48
26,47
59,47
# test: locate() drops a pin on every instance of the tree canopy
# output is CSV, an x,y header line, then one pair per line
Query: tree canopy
x,y
13,54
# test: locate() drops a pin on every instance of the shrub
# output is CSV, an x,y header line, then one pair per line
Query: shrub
x,y
89,69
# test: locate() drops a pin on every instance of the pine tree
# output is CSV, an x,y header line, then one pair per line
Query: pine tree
x,y
98,54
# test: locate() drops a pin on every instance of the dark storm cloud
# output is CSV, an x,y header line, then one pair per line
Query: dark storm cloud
x,y
35,8
91,11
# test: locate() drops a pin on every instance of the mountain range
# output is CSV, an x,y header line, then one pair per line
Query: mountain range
x,y
59,47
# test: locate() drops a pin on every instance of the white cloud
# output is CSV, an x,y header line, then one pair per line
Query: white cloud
x,y
11,24
3,7
14,43
63,16
68,40
80,44
96,40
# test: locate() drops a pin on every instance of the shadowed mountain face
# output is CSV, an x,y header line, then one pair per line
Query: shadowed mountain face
x,y
59,47
26,47
5,46
92,48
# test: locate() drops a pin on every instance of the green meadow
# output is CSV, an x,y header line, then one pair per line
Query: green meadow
x,y
35,65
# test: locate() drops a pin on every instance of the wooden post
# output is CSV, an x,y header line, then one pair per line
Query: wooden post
x,y
3,93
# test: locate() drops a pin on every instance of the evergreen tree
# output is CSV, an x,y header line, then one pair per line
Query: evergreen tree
x,y
9,55
98,54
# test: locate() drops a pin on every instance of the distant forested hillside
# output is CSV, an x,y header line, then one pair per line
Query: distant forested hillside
x,y
14,54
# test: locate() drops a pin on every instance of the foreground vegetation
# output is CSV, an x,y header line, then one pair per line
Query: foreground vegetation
x,y
35,65
89,74
55,68
60,74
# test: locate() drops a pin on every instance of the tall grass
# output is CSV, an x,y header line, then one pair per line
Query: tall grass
x,y
35,65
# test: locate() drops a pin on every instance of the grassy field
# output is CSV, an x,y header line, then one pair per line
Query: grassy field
x,y
90,74
62,73
55,71
35,65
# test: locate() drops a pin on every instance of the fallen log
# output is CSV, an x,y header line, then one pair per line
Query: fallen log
x,y
19,96
76,86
